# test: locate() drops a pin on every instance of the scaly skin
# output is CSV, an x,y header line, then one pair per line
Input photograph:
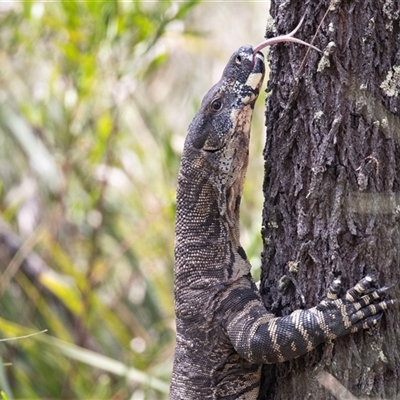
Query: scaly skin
x,y
224,332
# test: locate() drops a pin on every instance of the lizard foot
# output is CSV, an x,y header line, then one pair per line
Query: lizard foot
x,y
361,307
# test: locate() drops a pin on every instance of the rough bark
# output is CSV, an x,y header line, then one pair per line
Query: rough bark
x,y
332,187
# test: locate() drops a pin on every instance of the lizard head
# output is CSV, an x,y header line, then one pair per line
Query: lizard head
x,y
218,139
214,125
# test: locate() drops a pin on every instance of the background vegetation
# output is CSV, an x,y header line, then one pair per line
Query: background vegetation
x,y
95,99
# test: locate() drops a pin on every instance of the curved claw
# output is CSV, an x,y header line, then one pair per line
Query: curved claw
x,y
334,289
381,293
285,38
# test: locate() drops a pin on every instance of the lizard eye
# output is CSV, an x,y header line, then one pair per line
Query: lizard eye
x,y
216,105
238,59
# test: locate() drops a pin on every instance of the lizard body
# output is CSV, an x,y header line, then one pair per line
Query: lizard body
x,y
224,332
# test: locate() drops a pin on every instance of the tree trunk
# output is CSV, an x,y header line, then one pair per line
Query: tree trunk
x,y
332,187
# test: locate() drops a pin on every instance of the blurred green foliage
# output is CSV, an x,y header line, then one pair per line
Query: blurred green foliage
x,y
87,181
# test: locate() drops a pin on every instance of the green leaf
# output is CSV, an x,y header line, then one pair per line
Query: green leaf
x,y
108,364
3,396
65,290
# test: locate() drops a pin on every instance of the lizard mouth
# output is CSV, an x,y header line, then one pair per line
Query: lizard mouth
x,y
257,62
257,70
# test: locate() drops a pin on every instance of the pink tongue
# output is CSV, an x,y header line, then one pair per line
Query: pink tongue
x,y
284,38
280,39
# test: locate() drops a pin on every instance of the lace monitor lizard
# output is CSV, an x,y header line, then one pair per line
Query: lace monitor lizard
x,y
224,332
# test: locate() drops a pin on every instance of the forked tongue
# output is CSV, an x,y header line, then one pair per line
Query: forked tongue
x,y
284,38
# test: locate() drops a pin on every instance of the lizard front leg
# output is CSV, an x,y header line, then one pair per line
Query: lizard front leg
x,y
261,337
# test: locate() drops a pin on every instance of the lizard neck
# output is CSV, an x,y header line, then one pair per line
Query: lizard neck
x,y
207,243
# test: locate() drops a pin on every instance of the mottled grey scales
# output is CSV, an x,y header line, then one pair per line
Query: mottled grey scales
x,y
224,333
